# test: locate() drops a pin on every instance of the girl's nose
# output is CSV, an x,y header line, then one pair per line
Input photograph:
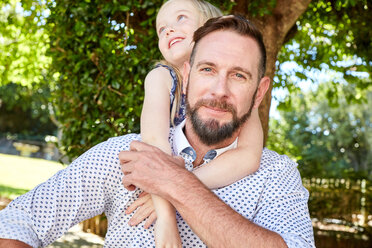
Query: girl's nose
x,y
169,30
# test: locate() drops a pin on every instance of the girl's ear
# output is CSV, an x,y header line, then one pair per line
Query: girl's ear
x,y
185,76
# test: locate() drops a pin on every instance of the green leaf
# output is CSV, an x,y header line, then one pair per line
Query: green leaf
x,y
150,11
79,28
124,8
115,84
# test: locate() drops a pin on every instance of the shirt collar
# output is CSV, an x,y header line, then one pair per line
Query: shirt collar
x,y
181,144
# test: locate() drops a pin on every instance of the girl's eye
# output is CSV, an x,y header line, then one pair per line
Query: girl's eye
x,y
161,30
181,17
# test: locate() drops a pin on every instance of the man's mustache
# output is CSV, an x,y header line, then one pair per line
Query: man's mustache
x,y
220,104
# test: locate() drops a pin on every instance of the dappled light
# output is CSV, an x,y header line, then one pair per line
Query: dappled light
x,y
341,211
72,75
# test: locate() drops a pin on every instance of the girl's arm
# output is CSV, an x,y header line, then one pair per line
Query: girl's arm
x,y
237,163
155,114
155,118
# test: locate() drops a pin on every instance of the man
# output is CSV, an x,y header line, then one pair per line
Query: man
x,y
268,208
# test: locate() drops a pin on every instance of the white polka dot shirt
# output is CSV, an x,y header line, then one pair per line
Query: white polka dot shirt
x,y
273,197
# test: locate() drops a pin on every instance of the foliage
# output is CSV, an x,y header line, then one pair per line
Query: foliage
x,y
332,35
102,50
99,75
24,92
326,131
326,141
23,42
25,111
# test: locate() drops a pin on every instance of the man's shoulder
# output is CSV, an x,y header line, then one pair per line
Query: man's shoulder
x,y
123,141
281,172
123,138
271,160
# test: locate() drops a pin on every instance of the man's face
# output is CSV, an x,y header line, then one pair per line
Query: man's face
x,y
222,85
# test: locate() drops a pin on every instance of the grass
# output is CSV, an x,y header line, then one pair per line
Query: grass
x,y
20,174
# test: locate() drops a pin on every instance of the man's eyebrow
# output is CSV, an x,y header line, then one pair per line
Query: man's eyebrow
x,y
200,63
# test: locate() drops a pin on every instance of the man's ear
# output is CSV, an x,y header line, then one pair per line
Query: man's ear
x,y
261,91
185,76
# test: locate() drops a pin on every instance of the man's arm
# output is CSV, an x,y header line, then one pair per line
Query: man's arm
x,y
11,243
283,203
216,223
210,218
73,194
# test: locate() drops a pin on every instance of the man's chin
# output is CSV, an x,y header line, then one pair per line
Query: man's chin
x,y
214,124
210,132
211,129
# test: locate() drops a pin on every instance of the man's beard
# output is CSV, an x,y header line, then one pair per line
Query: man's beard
x,y
210,132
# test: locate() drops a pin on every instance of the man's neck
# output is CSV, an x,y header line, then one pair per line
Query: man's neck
x,y
200,148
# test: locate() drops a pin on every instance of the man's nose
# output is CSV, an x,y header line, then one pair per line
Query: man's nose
x,y
220,88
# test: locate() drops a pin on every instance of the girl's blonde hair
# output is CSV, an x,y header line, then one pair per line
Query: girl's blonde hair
x,y
206,11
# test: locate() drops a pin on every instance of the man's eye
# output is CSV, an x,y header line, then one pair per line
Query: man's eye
x,y
238,75
207,69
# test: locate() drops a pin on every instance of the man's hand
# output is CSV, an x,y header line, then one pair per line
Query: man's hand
x,y
150,169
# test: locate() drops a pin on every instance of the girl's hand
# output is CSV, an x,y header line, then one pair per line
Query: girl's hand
x,y
145,209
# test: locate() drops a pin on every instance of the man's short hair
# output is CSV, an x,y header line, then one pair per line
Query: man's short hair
x,y
237,24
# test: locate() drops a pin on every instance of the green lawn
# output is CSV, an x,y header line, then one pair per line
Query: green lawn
x,y
20,174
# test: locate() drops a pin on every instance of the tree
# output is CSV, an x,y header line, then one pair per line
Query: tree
x,y
102,50
275,18
24,90
327,138
324,32
100,62
24,112
331,37
23,42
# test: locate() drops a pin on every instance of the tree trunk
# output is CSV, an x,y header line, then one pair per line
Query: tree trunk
x,y
275,28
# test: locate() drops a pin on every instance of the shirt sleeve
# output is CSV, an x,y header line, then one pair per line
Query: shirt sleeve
x,y
73,194
283,208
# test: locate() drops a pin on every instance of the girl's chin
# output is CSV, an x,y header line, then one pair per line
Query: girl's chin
x,y
178,62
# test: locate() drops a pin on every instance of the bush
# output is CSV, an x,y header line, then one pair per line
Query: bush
x,y
98,76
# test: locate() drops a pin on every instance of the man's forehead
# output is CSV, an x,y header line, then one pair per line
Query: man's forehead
x,y
225,36
227,46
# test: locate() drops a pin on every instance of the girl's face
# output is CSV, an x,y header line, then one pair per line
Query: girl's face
x,y
175,23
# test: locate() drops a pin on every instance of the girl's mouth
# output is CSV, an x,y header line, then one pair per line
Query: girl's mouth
x,y
174,41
